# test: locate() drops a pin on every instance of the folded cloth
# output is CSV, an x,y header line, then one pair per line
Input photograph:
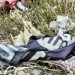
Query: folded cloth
x,y
45,47
11,54
60,47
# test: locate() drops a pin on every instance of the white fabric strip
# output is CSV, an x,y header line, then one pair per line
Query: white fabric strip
x,y
7,50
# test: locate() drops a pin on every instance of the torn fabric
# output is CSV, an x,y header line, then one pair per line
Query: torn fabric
x,y
60,47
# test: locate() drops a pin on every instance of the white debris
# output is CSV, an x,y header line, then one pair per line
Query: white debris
x,y
53,25
23,37
19,40
26,35
36,71
60,32
54,8
22,7
62,18
62,22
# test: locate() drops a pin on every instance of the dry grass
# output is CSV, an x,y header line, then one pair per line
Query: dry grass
x,y
41,12
8,26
